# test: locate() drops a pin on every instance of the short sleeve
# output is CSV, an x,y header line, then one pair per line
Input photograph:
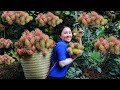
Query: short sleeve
x,y
61,52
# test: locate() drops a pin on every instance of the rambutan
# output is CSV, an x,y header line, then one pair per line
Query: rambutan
x,y
101,39
112,38
81,17
98,43
23,50
93,13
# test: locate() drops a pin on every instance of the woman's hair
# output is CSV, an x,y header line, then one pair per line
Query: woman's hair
x,y
67,22
60,29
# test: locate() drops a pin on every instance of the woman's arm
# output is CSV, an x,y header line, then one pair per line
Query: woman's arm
x,y
66,62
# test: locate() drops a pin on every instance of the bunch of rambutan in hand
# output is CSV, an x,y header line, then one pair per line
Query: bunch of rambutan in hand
x,y
75,49
111,44
6,59
33,41
92,18
19,17
5,43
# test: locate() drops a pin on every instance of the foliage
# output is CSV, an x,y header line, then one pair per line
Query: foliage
x,y
108,64
74,72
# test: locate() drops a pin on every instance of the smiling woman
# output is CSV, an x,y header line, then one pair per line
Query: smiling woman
x,y
66,34
61,58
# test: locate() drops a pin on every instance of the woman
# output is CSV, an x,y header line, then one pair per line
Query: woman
x,y
61,59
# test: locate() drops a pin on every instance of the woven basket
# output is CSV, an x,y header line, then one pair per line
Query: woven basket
x,y
37,66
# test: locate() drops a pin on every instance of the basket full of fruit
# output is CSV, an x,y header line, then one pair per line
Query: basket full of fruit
x,y
35,49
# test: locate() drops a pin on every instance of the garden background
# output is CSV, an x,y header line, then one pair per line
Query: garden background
x,y
101,41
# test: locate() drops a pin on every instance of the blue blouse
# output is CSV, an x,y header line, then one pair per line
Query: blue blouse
x,y
60,53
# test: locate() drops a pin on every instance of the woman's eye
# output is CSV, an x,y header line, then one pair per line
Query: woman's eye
x,y
65,33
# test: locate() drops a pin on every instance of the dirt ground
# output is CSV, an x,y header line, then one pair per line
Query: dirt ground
x,y
12,72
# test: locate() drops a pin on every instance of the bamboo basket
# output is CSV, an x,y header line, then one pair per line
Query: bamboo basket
x,y
37,66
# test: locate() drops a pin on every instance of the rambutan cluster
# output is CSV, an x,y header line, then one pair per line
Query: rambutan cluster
x,y
41,19
33,41
5,43
102,45
75,49
92,18
111,44
114,45
49,18
53,20
6,59
19,17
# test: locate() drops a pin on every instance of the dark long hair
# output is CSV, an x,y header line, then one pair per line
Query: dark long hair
x,y
67,22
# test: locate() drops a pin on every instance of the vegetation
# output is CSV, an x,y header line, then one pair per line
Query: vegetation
x,y
101,40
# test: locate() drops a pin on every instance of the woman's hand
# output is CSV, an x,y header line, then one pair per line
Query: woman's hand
x,y
81,32
76,56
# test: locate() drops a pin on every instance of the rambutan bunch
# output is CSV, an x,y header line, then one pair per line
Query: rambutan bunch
x,y
8,17
114,45
97,19
84,19
102,45
75,49
33,41
53,20
111,44
42,41
48,18
41,19
6,59
92,18
25,45
20,17
5,43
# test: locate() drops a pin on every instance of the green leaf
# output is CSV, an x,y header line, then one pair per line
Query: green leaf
x,y
112,73
88,34
117,61
99,32
99,69
103,28
67,12
72,69
78,72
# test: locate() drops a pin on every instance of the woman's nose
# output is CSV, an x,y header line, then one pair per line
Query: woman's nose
x,y
69,35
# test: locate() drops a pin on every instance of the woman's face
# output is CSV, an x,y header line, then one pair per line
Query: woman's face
x,y
66,34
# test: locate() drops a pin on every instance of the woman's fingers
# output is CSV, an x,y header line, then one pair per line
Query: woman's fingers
x,y
81,32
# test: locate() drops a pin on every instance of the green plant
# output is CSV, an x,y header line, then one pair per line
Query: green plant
x,y
74,72
95,60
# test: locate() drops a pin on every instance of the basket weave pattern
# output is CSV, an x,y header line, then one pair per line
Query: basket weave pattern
x,y
37,66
